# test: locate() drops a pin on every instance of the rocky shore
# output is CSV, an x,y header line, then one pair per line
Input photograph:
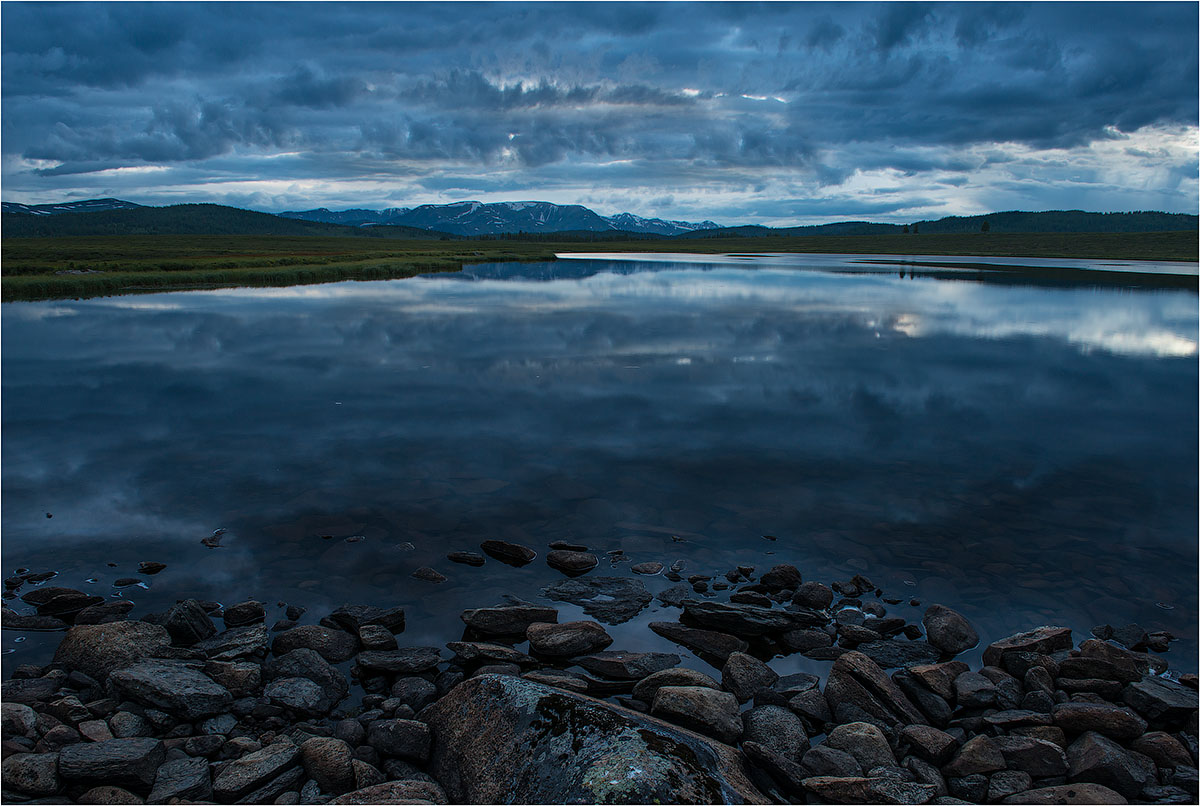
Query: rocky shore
x,y
524,708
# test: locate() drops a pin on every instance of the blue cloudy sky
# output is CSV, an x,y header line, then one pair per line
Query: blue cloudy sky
x,y
759,113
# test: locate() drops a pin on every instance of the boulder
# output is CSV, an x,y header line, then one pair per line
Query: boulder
x,y
509,553
407,791
777,729
865,742
400,738
97,649
627,665
948,630
1117,723
109,795
1093,758
939,677
699,708
1038,757
567,640
32,775
572,563
299,695
238,642
184,778
334,646
329,762
649,686
826,760
405,660
188,622
978,756
890,653
1042,640
748,620
710,645
244,613
1068,794
353,618
507,620
745,676
172,687
308,664
504,739
930,743
467,652
129,763
868,790
1163,702
245,776
612,600
856,680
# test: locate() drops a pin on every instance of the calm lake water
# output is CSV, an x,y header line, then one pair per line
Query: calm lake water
x,y
1024,453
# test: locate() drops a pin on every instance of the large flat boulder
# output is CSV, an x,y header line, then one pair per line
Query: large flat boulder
x,y
172,687
503,739
856,680
97,649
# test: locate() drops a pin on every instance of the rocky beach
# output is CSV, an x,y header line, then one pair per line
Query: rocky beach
x,y
239,703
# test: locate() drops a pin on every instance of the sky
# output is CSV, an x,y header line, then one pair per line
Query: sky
x,y
775,114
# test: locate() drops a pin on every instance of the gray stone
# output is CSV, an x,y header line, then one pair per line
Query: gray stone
x,y
572,563
699,708
1042,640
978,756
329,762
334,646
648,568
35,775
507,620
401,738
858,681
745,675
244,613
187,623
748,620
787,773
373,636
297,694
185,778
1038,757
567,640
104,613
565,748
1117,723
649,686
415,692
309,664
172,687
865,742
612,600
1093,758
254,771
466,558
891,653
930,743
1007,782
780,577
777,729
627,665
467,652
948,630
17,720
829,761
708,644
239,642
1163,702
868,790
130,763
353,618
97,649
409,791
813,595
109,795
805,640
939,677
1068,794
509,553
427,574
406,660
127,725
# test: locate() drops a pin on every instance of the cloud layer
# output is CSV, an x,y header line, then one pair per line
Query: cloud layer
x,y
776,113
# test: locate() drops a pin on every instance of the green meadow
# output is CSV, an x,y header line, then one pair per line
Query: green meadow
x,y
60,268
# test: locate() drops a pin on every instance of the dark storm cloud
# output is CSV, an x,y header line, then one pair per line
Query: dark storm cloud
x,y
367,90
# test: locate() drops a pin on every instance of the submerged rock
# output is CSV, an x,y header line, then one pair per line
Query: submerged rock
x,y
508,740
612,600
572,563
510,553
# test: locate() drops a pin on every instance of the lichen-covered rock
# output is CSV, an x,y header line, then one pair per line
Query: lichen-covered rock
x,y
504,739
97,649
35,775
408,791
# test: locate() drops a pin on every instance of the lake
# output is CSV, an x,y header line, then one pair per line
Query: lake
x,y
1022,450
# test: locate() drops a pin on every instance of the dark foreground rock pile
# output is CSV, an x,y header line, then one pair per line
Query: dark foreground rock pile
x,y
525,709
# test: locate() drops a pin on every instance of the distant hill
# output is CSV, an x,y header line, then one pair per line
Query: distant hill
x,y
1063,221
472,218
86,206
542,221
187,219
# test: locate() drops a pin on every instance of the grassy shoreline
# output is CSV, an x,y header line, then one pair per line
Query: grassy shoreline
x,y
70,268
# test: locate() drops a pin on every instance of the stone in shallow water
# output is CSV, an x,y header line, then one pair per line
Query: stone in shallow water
x,y
948,630
612,600
466,558
567,640
648,568
627,665
572,563
507,620
427,574
748,620
510,553
708,644
890,654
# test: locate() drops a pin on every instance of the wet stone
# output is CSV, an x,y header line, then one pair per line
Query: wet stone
x,y
567,640
744,675
627,665
333,645
407,660
119,762
427,574
647,568
948,630
507,620
244,614
466,558
612,600
571,563
510,553
699,708
705,643
352,617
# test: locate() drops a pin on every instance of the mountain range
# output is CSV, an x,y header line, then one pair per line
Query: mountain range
x,y
531,220
476,218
